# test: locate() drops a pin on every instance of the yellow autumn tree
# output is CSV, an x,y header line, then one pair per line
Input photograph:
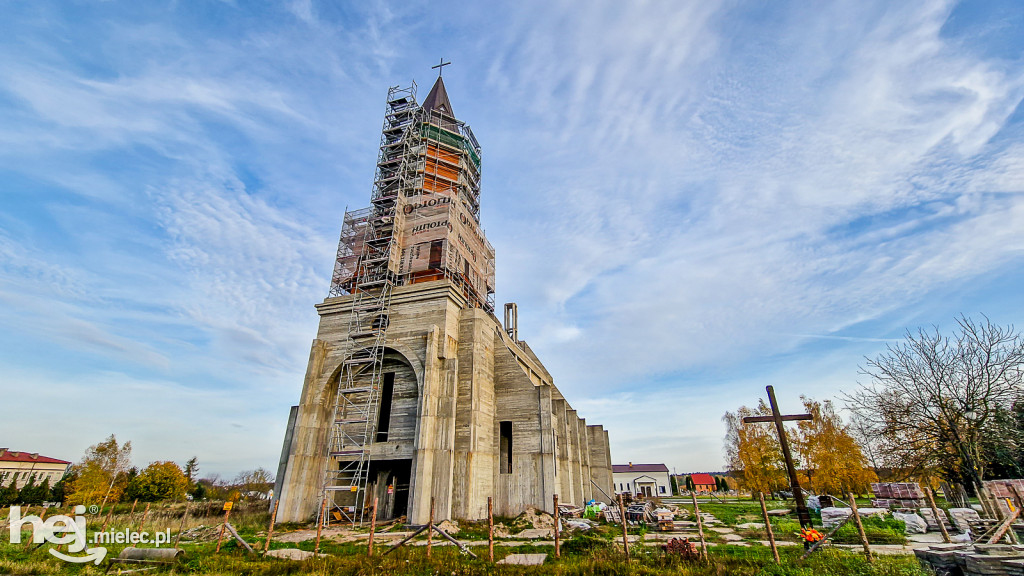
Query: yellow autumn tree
x,y
831,460
752,451
827,457
99,476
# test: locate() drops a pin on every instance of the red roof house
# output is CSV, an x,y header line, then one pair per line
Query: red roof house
x,y
703,483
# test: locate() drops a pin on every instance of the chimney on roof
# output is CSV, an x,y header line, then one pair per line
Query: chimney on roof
x,y
34,455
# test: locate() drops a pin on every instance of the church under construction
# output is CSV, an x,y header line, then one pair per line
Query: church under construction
x,y
415,391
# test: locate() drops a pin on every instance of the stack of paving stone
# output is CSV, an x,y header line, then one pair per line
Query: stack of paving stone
x,y
897,495
977,560
944,559
1002,490
992,559
964,518
929,518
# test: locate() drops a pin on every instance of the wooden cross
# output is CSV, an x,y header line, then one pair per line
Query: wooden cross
x,y
440,67
798,495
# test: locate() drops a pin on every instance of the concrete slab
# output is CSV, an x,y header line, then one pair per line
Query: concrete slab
x,y
523,559
535,533
291,554
721,529
930,537
732,537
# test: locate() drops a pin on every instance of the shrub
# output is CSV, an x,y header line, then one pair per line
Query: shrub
x,y
585,545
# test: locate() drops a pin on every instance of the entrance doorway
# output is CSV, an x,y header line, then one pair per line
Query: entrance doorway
x,y
388,481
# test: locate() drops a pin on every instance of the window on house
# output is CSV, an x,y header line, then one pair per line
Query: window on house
x,y
387,391
662,488
505,446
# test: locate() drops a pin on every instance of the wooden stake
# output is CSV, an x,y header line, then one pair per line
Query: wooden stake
x,y
490,529
270,530
625,540
700,527
938,519
105,522
406,539
768,528
430,527
181,526
1008,521
320,525
557,548
454,541
227,515
860,527
373,527
145,513
131,515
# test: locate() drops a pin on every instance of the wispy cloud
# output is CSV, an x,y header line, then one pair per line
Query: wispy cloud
x,y
688,200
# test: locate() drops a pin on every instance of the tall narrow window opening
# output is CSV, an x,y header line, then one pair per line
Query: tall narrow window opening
x,y
435,254
505,447
387,390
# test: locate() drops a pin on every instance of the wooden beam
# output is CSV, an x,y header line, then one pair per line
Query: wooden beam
x,y
789,418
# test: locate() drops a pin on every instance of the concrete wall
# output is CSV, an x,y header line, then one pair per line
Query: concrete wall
x,y
458,375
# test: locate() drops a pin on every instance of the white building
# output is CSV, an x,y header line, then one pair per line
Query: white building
x,y
24,465
649,480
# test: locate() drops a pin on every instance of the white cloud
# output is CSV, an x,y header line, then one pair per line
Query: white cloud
x,y
678,193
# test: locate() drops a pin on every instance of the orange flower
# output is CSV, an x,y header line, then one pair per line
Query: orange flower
x,y
811,535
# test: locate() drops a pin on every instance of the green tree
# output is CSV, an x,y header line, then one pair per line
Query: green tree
x,y
9,495
689,483
32,493
191,468
159,481
57,493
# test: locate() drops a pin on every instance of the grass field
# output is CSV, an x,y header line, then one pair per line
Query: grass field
x,y
597,553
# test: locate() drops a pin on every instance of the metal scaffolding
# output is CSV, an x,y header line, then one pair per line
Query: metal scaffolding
x,y
428,167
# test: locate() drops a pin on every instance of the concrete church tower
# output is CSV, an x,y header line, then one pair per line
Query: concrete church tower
x,y
414,388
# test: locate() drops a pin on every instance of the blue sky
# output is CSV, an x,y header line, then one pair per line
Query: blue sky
x,y
688,200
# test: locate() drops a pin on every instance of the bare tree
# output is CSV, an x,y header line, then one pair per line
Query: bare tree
x,y
932,399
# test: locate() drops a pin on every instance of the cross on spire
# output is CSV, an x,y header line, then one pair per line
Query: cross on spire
x,y
440,67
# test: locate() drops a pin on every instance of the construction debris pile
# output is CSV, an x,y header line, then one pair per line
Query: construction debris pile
x,y
976,560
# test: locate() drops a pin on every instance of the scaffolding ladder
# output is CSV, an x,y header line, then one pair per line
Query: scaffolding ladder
x,y
367,268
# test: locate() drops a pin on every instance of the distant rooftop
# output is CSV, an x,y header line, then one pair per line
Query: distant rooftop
x,y
702,479
9,456
626,468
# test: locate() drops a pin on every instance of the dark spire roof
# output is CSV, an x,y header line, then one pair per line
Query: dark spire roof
x,y
437,99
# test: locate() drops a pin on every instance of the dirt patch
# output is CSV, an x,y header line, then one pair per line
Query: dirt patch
x,y
534,518
449,526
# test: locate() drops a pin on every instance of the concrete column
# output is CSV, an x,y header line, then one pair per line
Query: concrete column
x,y
547,455
307,457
